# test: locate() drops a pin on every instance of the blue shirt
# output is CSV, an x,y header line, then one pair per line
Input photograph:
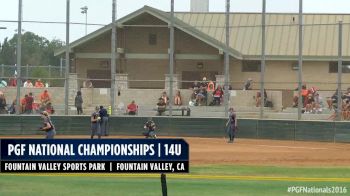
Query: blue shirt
x,y
103,113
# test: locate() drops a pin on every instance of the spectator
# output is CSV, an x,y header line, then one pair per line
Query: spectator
x,y
2,103
332,100
39,84
28,84
346,95
161,106
78,102
211,86
165,97
304,93
178,99
217,95
258,98
132,108
44,98
23,103
204,82
87,84
49,109
248,84
36,108
29,104
104,121
12,109
346,110
309,104
318,102
3,83
201,96
13,81
195,85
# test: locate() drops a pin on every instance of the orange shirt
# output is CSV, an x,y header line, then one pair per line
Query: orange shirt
x,y
23,101
304,92
44,97
39,84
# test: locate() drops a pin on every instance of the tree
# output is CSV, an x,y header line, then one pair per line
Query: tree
x,y
36,50
7,53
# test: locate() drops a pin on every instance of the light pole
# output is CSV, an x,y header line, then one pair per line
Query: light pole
x,y
66,87
84,11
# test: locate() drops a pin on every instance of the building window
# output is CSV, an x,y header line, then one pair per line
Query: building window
x,y
152,39
333,67
251,66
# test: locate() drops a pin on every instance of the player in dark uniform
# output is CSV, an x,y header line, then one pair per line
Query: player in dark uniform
x,y
231,125
48,127
95,123
150,128
104,121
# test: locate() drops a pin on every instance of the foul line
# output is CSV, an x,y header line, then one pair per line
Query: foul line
x,y
193,176
300,147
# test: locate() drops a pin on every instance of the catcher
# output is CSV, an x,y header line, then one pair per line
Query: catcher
x,y
48,127
150,128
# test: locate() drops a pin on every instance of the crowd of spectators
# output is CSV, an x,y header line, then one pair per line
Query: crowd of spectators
x,y
332,103
310,98
312,102
28,104
12,82
201,92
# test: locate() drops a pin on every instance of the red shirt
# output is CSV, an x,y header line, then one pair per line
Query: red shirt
x,y
132,107
29,103
218,93
13,82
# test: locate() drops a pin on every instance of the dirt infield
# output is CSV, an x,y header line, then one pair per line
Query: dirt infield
x,y
257,152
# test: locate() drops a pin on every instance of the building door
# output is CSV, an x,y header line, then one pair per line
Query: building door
x,y
190,76
100,78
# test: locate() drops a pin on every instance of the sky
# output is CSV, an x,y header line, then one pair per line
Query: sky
x,y
100,12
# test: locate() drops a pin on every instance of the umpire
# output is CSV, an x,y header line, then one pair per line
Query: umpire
x,y
48,127
95,123
104,121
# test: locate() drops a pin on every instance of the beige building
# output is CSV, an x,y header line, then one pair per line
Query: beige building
x,y
143,60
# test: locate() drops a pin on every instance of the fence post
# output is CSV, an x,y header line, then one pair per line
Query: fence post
x,y
27,71
49,71
340,69
61,66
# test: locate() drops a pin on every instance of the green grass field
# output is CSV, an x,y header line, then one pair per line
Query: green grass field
x,y
202,180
